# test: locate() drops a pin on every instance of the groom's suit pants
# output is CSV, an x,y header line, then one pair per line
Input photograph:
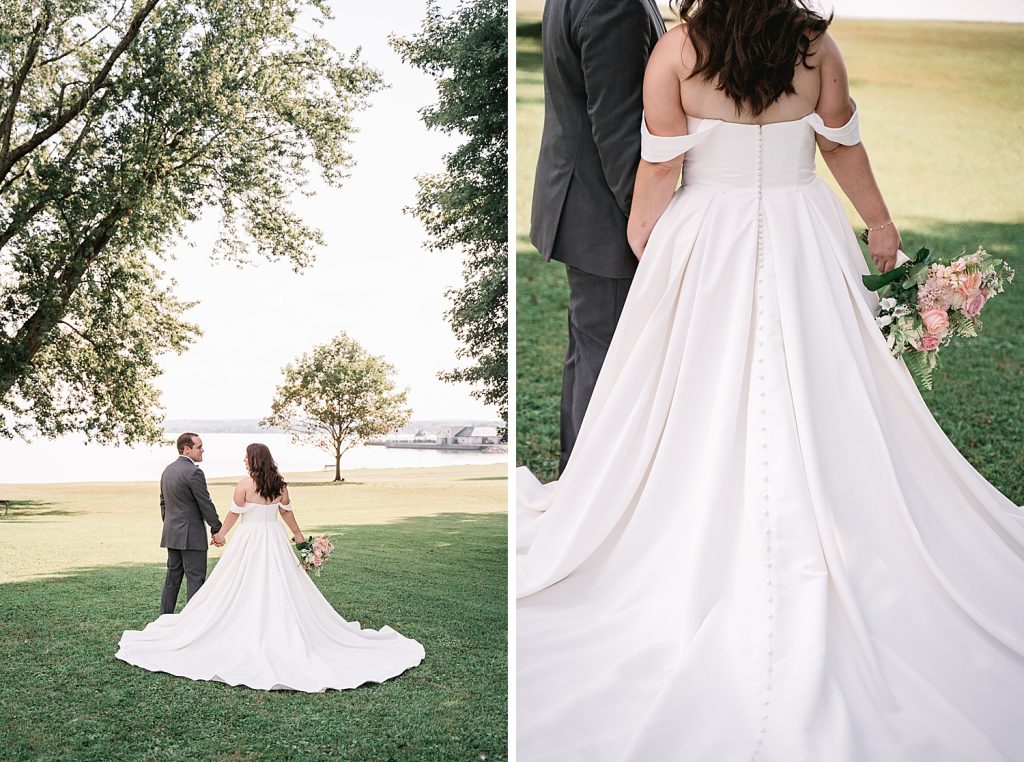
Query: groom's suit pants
x,y
595,303
188,563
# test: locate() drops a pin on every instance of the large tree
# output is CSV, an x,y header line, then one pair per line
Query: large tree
x,y
336,397
121,122
466,206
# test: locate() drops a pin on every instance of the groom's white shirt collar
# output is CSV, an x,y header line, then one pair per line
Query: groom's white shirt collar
x,y
186,457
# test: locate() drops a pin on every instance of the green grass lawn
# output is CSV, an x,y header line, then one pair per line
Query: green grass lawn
x,y
942,109
439,578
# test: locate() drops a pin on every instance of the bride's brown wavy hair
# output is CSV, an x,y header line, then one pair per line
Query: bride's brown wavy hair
x,y
263,471
751,48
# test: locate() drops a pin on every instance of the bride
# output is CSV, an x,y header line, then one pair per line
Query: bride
x,y
763,546
259,620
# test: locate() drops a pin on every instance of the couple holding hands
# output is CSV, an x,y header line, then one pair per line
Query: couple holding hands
x,y
259,620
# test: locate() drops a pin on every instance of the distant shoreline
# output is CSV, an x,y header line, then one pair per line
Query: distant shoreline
x,y
68,460
174,426
296,478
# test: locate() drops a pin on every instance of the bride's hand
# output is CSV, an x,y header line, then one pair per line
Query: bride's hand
x,y
882,245
218,539
637,240
638,248
299,538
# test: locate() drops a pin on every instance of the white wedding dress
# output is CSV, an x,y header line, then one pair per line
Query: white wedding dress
x,y
764,547
260,621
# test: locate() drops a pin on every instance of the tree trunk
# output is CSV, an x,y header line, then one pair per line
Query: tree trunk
x,y
337,466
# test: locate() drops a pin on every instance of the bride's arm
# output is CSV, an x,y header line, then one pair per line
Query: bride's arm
x,y
849,165
656,182
237,499
229,521
289,516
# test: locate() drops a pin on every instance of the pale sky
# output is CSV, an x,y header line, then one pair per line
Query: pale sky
x,y
374,279
949,10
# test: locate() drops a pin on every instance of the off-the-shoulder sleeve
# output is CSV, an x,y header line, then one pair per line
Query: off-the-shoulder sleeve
x,y
657,148
847,135
284,507
240,508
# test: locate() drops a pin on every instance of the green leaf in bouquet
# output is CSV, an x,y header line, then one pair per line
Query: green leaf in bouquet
x,y
920,367
878,280
961,325
918,272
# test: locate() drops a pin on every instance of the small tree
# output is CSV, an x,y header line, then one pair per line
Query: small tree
x,y
338,396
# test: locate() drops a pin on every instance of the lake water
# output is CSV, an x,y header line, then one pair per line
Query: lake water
x,y
68,459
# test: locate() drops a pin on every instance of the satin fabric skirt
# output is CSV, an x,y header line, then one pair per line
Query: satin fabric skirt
x,y
260,621
764,546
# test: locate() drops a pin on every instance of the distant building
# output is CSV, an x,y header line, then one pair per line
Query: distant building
x,y
476,435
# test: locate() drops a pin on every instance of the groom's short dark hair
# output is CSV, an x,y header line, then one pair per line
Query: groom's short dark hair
x,y
185,440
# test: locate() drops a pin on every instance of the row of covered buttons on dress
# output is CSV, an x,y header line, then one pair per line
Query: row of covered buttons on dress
x,y
761,402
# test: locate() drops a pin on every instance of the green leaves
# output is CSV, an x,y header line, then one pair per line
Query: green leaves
x,y
876,281
338,396
912,273
921,366
154,113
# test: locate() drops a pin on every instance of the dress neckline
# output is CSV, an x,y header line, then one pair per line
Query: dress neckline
x,y
751,124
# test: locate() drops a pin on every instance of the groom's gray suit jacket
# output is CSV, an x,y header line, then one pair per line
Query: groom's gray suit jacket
x,y
595,53
184,504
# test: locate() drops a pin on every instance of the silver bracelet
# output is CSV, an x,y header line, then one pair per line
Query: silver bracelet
x,y
871,230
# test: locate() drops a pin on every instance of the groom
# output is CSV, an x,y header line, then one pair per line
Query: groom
x,y
595,53
184,504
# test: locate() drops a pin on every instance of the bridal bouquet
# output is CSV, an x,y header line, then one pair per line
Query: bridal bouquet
x,y
927,300
314,552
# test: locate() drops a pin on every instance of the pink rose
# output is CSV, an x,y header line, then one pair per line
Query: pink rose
x,y
935,321
970,282
317,562
974,303
928,342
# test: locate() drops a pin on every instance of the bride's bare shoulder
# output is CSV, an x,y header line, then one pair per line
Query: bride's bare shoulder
x,y
834,94
674,52
824,50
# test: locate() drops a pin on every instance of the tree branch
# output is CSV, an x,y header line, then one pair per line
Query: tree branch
x,y
200,152
51,309
99,31
66,324
19,221
9,158
7,121
53,306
